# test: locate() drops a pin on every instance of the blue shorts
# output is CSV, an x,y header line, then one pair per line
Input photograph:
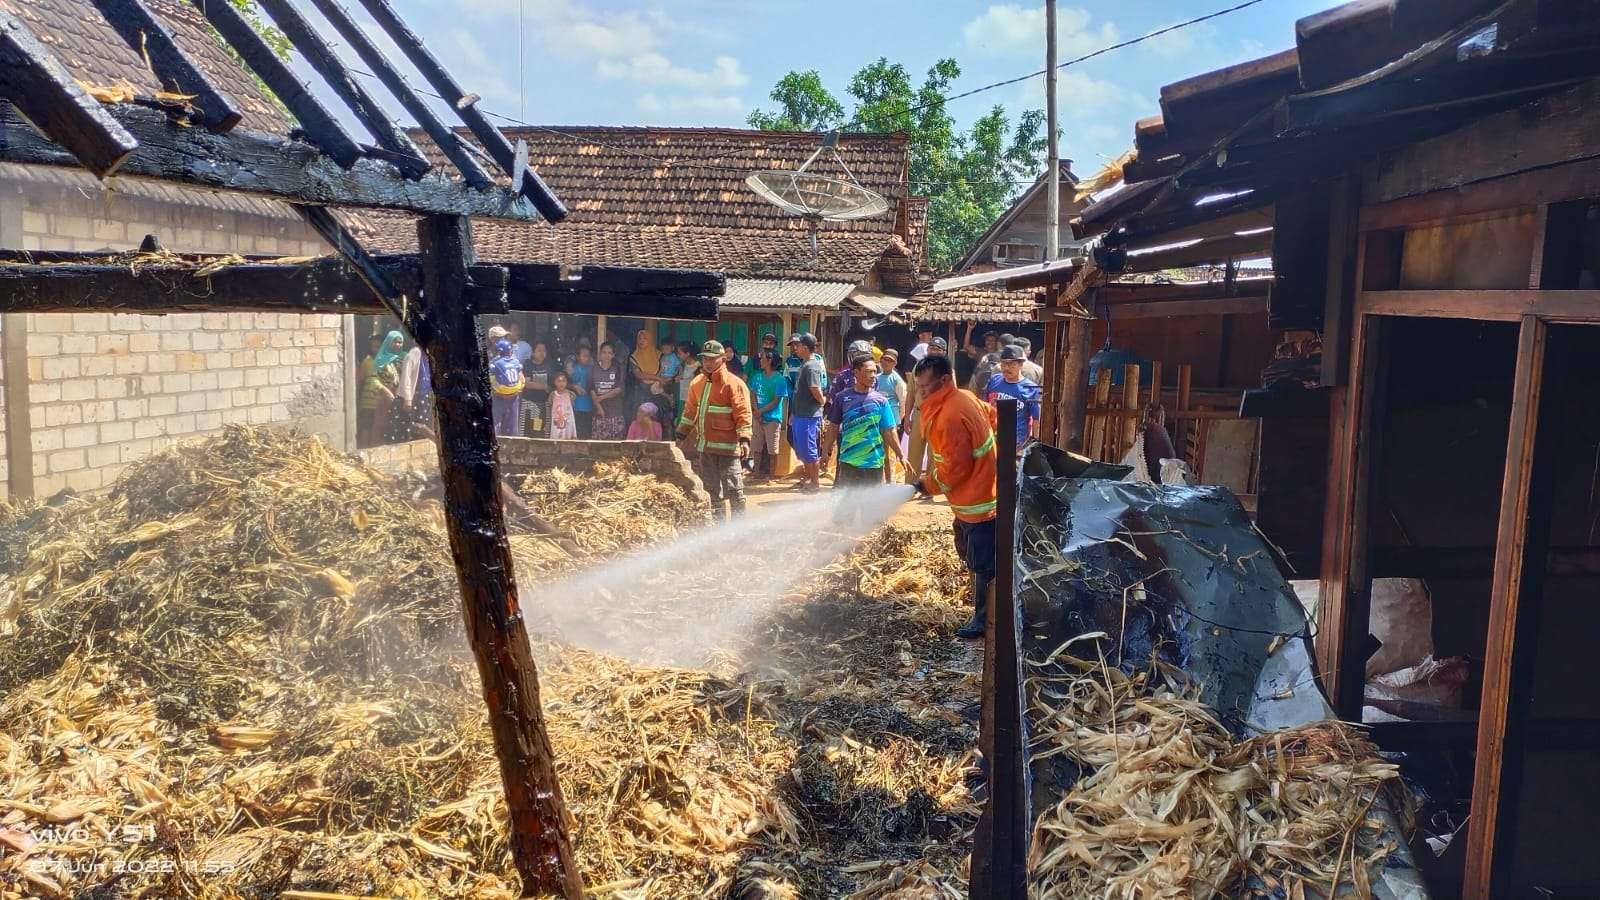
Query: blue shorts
x,y
803,437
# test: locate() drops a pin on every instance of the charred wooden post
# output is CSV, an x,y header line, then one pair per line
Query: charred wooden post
x,y
446,140
320,126
149,37
1074,391
540,844
526,180
404,154
38,85
1000,844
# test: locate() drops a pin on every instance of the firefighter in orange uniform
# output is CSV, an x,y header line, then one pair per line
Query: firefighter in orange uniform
x,y
959,429
716,423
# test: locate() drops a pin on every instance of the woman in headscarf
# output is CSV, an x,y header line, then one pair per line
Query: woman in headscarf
x,y
505,372
380,387
645,384
606,389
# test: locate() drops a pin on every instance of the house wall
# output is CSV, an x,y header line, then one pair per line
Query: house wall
x,y
1029,227
106,389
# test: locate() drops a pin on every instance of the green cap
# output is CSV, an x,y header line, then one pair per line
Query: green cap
x,y
711,348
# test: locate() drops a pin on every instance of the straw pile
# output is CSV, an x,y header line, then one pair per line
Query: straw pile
x,y
242,672
1170,805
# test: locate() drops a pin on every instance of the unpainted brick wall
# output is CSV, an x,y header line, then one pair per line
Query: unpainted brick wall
x,y
107,389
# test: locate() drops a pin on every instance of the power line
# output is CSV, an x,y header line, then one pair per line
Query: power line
x,y
856,122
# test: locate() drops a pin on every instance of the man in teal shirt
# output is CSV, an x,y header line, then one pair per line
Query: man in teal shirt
x,y
864,422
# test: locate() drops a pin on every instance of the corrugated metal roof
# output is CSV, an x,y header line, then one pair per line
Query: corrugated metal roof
x,y
877,303
750,293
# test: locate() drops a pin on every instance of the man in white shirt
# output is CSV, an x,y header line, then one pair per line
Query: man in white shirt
x,y
924,335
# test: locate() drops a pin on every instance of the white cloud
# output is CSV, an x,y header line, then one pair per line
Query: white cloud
x,y
1082,96
655,69
477,69
1012,29
697,103
615,35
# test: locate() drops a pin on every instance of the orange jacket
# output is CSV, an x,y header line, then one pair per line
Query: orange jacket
x,y
717,413
959,429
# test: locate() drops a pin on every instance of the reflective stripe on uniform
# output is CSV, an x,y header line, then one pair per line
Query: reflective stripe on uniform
x,y
700,416
985,447
975,508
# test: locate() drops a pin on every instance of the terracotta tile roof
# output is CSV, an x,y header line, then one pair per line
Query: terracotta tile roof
x,y
676,197
94,53
981,303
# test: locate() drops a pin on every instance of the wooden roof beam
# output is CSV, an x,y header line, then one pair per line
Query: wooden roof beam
x,y
255,163
44,91
523,179
448,142
406,156
319,125
149,37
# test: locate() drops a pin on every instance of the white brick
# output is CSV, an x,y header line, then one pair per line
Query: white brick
x,y
160,362
214,321
133,409
103,230
268,358
205,340
174,340
48,485
82,344
208,421
228,379
279,375
126,322
269,394
243,397
59,367
291,357
130,365
185,321
113,432
191,402
90,323
163,406
255,377
266,321
98,411
188,361
144,343
304,339
46,439
85,480
111,388
102,455
260,415
180,424
235,416
203,381
175,384
63,414
43,344
232,340
111,343
217,400
73,390
35,221
131,450
111,473
78,436
66,460
148,428
95,366
219,359
59,323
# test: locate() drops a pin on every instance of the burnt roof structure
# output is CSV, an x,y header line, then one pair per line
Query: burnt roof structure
x,y
141,89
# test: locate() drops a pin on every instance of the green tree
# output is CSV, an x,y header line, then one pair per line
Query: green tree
x,y
969,177
803,105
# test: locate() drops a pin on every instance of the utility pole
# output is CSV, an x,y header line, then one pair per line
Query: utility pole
x,y
1052,232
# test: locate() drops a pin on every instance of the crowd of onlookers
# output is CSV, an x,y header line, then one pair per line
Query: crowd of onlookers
x,y
620,392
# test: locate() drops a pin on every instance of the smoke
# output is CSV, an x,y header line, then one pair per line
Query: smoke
x,y
679,603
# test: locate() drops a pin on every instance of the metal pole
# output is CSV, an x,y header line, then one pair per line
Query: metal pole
x,y
1000,844
1052,232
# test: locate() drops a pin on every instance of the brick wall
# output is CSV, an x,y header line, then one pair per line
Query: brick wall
x,y
420,455
106,389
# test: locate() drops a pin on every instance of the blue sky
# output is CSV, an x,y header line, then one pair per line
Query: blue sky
x,y
709,62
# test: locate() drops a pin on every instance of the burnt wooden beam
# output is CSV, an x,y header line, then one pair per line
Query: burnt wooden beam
x,y
319,125
466,106
255,163
1516,591
475,515
404,154
43,90
149,37
617,279
1000,842
1216,249
448,142
377,279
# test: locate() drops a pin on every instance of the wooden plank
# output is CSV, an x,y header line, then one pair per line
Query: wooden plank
x,y
1180,423
1250,212
1158,309
148,36
1052,381
1300,242
466,106
1100,426
1491,306
1344,41
1521,540
254,163
404,154
41,87
1074,393
541,847
1342,263
448,142
320,125
1571,181
1207,106
1344,614
1130,402
1543,133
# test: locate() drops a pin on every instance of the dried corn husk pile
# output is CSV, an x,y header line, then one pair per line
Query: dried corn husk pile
x,y
242,672
1171,805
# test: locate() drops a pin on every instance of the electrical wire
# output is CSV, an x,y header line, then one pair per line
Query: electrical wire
x,y
676,164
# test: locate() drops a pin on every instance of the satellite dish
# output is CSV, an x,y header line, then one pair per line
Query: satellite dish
x,y
818,198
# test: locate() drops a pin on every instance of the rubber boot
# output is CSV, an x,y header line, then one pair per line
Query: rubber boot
x,y
980,607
